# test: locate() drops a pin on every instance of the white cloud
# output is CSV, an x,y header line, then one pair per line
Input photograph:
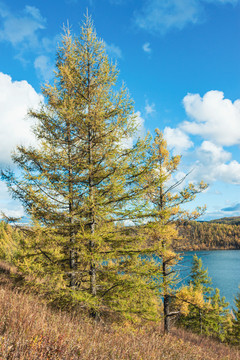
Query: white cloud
x,y
44,67
177,140
146,47
15,99
21,29
214,118
217,121
159,16
229,173
34,12
214,164
113,50
211,152
149,108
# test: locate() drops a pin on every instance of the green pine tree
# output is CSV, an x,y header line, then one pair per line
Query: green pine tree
x,y
83,181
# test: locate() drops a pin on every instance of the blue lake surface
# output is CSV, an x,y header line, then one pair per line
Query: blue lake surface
x,y
223,267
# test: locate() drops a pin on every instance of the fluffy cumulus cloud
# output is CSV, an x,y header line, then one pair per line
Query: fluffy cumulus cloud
x,y
158,16
208,151
229,173
177,140
215,164
213,117
15,99
216,121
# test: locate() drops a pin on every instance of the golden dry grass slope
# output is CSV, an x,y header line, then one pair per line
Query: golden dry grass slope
x,y
30,329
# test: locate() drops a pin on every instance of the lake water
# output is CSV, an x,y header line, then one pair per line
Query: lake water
x,y
223,267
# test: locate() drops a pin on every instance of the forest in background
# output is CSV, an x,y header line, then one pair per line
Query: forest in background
x,y
216,234
234,220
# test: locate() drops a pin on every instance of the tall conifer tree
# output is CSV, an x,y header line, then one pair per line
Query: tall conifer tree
x,y
83,181
166,211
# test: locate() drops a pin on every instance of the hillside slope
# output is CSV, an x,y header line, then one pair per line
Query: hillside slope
x,y
30,330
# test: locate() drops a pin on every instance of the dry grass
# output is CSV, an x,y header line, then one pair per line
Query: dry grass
x,y
30,330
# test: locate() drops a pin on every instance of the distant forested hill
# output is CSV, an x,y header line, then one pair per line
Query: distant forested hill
x,y
194,235
216,234
235,220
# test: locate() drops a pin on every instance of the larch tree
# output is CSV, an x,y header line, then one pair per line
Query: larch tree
x,y
220,320
199,283
234,332
83,181
199,277
166,201
209,316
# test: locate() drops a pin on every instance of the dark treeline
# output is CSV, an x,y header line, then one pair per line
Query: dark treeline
x,y
196,235
234,220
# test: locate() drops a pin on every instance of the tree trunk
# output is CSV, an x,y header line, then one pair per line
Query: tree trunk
x,y
200,321
92,272
166,304
72,238
93,287
72,259
166,297
166,300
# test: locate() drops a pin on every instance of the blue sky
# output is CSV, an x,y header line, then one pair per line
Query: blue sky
x,y
180,60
